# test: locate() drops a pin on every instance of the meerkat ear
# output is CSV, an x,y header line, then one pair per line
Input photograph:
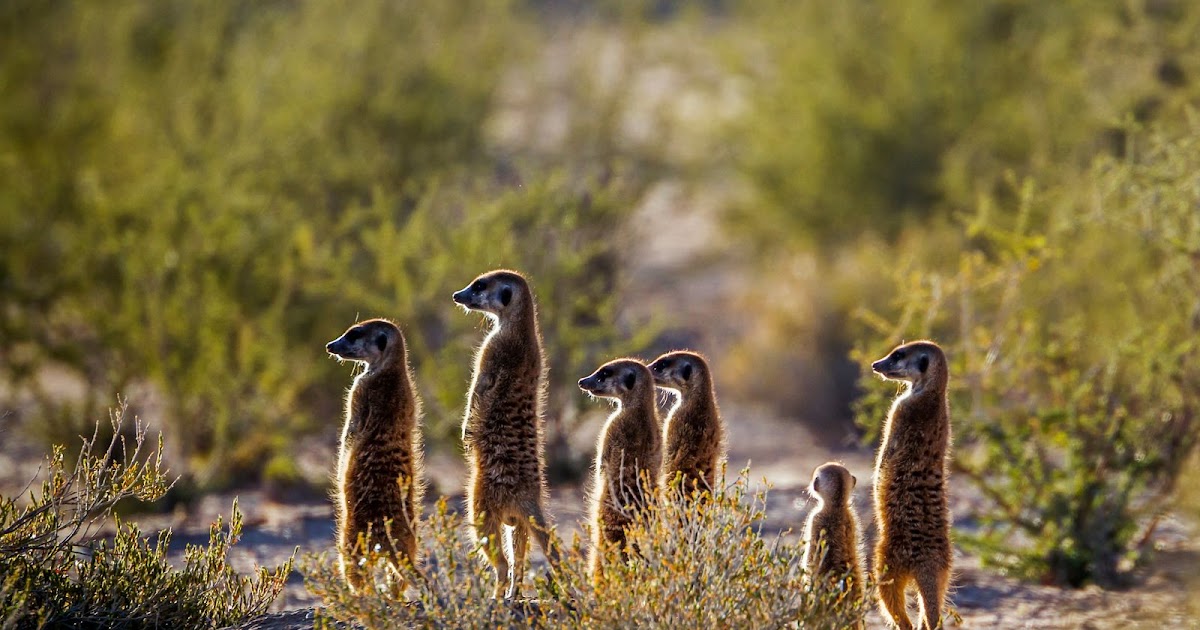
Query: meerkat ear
x,y
505,296
381,342
853,481
816,484
630,379
923,363
686,372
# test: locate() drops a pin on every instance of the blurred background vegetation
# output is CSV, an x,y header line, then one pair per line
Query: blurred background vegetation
x,y
194,197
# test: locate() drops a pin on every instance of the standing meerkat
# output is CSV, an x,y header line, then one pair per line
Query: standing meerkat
x,y
502,428
628,453
831,533
379,476
910,485
693,435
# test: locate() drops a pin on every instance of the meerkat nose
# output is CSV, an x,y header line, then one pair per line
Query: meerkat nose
x,y
877,366
329,347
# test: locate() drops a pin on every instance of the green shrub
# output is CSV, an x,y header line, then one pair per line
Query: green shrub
x,y
194,198
700,566
1072,331
58,573
872,115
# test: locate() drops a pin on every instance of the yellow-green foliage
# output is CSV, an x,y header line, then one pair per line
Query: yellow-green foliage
x,y
1073,333
194,197
700,566
866,115
56,572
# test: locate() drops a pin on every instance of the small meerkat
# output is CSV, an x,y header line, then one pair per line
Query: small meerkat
x,y
379,476
693,435
628,453
502,428
910,485
831,533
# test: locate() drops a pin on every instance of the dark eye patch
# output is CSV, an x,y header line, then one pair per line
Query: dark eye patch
x,y
354,335
478,286
923,363
381,342
630,380
686,372
605,373
898,355
505,296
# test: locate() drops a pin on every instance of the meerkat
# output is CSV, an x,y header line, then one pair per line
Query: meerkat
x,y
379,475
502,428
628,453
693,434
910,485
831,533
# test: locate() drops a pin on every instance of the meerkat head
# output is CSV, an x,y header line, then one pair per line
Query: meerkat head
x,y
368,342
680,370
916,362
832,483
619,380
495,293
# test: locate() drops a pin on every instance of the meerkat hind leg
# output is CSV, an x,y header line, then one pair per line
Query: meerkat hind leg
x,y
491,536
520,547
891,596
355,575
537,524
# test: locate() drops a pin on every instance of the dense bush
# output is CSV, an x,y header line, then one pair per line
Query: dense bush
x,y
195,197
58,572
701,566
1073,332
866,116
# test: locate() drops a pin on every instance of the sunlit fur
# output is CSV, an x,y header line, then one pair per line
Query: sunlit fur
x,y
628,455
693,434
379,475
831,534
502,428
910,485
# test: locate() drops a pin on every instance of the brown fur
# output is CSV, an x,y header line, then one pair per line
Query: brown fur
x,y
628,454
693,435
910,485
831,534
380,473
502,429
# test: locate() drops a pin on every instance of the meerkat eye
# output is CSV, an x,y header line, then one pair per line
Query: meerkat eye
x,y
630,379
923,363
505,296
898,355
605,373
686,372
353,335
478,286
381,342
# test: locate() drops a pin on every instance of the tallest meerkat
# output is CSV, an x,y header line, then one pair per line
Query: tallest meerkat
x,y
910,485
502,428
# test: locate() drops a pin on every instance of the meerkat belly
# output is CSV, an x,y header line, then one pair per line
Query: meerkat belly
x,y
507,451
379,475
916,518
